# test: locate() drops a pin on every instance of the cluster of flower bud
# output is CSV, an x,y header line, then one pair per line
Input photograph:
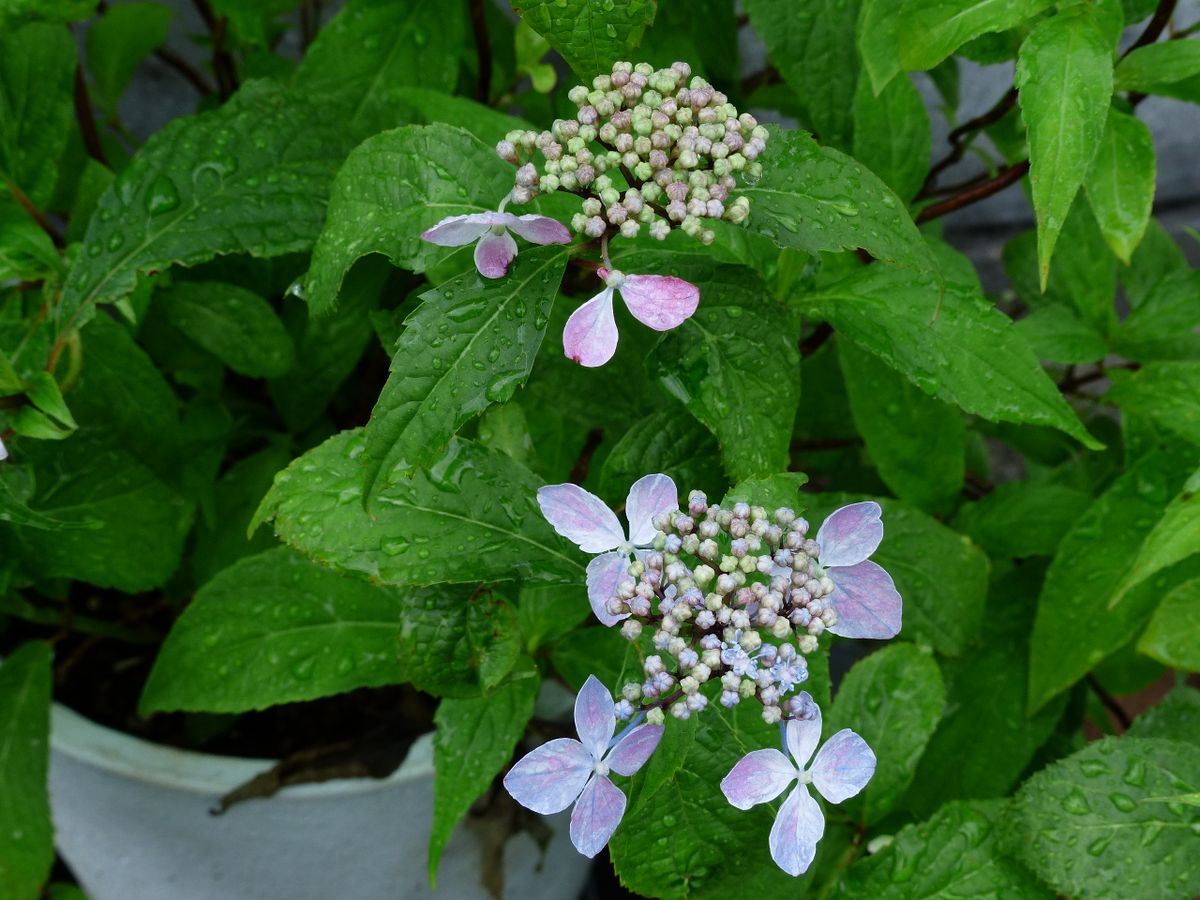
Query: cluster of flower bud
x,y
659,149
733,594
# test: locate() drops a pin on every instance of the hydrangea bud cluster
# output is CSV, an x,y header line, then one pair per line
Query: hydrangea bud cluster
x,y
736,594
660,149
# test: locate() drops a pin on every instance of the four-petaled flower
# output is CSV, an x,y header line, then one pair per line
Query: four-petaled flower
x,y
583,518
864,596
659,301
496,247
840,770
565,771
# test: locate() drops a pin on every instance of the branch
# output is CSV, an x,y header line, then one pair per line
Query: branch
x,y
957,137
1008,175
483,48
1155,27
87,120
193,75
819,335
222,62
1110,703
34,213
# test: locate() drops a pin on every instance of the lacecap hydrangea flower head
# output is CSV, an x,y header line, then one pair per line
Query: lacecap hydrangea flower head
x,y
733,600
654,149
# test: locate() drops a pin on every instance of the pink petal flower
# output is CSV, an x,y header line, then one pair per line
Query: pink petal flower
x,y
758,777
590,335
493,254
634,749
595,717
455,231
604,573
866,602
850,534
803,735
796,831
660,301
549,778
596,816
539,229
649,496
581,517
843,766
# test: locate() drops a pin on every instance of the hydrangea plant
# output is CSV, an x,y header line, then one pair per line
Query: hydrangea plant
x,y
323,386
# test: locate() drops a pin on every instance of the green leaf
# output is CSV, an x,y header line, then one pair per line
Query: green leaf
x,y
984,741
249,177
814,198
27,851
1022,518
1056,333
956,853
474,741
43,392
37,68
422,106
1173,539
118,41
14,511
26,251
1177,717
930,30
772,492
891,134
966,353
598,651
547,612
472,517
17,12
1173,635
1157,258
391,188
1166,392
1120,182
1064,79
917,443
940,574
456,642
1086,573
233,324
275,628
590,34
374,49
894,699
470,343
1111,821
735,368
813,44
877,42
666,441
1162,326
1147,68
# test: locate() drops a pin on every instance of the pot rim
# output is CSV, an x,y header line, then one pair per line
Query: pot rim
x,y
88,742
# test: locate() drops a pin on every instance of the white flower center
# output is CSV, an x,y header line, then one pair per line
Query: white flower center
x,y
600,767
625,548
498,229
805,777
615,279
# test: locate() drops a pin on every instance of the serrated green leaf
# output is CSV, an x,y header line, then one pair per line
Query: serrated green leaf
x,y
37,67
1156,258
547,612
1173,635
893,699
118,41
891,134
250,177
814,198
27,851
391,188
1166,392
1162,325
941,575
956,853
1172,540
1176,717
472,517
917,442
470,343
813,45
374,49
771,491
667,441
1086,573
1108,822
1153,65
1022,518
1056,333
598,651
930,30
474,741
735,368
422,106
1120,182
590,34
275,628
965,353
1064,83
233,324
